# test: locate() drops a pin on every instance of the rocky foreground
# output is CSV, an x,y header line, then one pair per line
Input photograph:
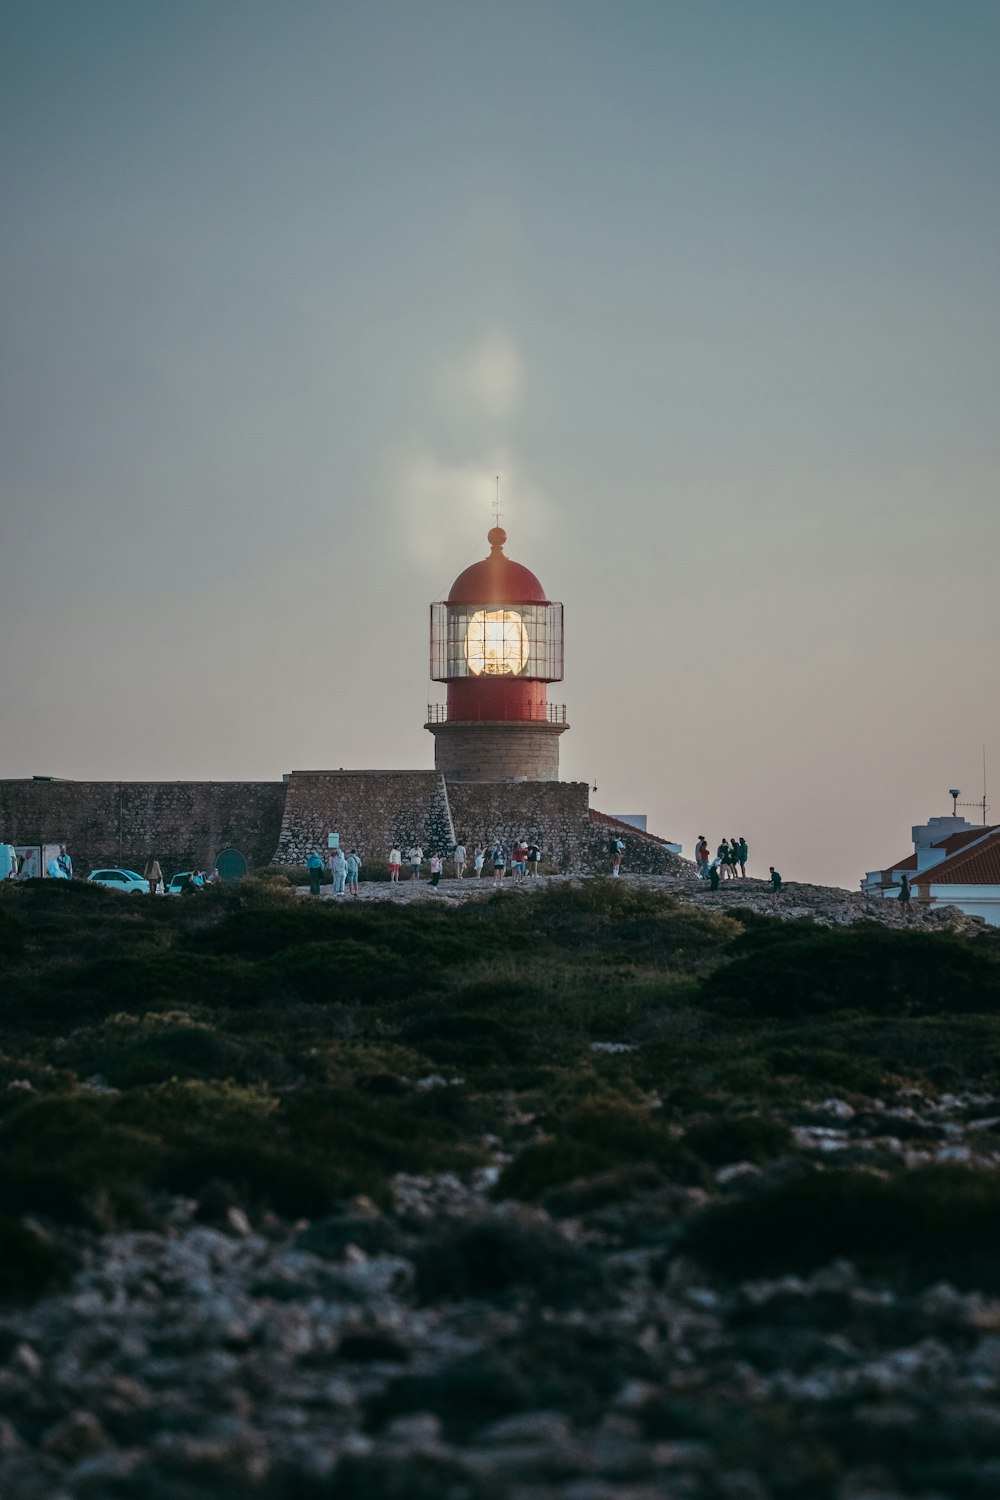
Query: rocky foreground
x,y
561,1334
452,1347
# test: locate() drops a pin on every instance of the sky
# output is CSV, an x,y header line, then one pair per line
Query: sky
x,y
712,286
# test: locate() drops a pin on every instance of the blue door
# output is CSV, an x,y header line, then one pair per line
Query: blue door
x,y
231,865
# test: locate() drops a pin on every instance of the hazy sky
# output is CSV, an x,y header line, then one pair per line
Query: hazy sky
x,y
713,285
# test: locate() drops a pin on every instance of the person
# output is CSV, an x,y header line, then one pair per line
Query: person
x,y
415,856
353,871
742,853
499,862
520,860
338,868
314,868
478,861
775,883
904,896
331,860
617,850
55,870
722,855
713,873
701,857
65,863
734,859
534,860
395,860
459,856
436,867
153,874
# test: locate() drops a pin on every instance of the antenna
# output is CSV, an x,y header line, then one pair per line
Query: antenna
x,y
982,805
496,505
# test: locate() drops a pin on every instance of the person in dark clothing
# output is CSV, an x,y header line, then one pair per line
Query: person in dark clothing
x,y
775,882
904,896
742,855
713,874
314,867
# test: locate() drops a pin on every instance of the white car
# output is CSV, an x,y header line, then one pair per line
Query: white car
x,y
120,880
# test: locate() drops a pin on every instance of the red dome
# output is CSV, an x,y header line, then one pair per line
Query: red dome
x,y
496,580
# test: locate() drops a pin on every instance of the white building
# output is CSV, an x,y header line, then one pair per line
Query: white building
x,y
953,864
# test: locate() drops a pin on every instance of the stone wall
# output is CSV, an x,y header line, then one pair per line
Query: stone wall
x,y
185,824
551,813
371,810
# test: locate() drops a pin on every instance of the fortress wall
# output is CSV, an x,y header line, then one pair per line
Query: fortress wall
x,y
185,824
553,813
371,810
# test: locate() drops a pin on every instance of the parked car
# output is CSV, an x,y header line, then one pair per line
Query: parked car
x,y
120,880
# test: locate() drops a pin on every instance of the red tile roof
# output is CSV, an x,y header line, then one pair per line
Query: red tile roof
x,y
978,864
616,825
951,844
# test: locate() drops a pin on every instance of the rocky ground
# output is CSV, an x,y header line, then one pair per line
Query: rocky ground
x,y
828,906
452,1347
574,1340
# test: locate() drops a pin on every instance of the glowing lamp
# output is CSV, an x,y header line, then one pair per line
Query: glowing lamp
x,y
496,643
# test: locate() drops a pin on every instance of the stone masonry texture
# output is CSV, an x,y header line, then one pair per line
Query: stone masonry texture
x,y
497,752
188,824
184,824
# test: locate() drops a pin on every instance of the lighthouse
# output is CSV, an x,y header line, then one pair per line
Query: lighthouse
x,y
497,642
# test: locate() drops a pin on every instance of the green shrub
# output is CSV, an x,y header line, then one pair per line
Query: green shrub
x,y
30,1264
731,1138
934,1222
594,1141
11,937
883,971
490,1258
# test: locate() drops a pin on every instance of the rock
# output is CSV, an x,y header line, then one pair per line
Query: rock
x,y
527,1427
238,1222
80,1434
421,1428
26,1359
10,1441
737,1171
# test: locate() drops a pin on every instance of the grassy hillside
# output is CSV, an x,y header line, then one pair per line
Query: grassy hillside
x,y
253,1048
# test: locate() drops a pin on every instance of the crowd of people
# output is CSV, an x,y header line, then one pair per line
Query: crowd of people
x,y
518,861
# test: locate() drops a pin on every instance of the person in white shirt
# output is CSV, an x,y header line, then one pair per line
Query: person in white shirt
x,y
395,860
415,857
437,864
459,857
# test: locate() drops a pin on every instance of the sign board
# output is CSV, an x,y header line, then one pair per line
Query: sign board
x,y
333,841
31,869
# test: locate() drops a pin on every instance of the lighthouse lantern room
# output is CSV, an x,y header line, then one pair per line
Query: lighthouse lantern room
x,y
497,642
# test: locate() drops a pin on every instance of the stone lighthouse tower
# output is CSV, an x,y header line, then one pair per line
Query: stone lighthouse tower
x,y
497,641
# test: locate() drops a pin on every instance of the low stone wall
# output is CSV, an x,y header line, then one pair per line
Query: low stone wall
x,y
185,824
